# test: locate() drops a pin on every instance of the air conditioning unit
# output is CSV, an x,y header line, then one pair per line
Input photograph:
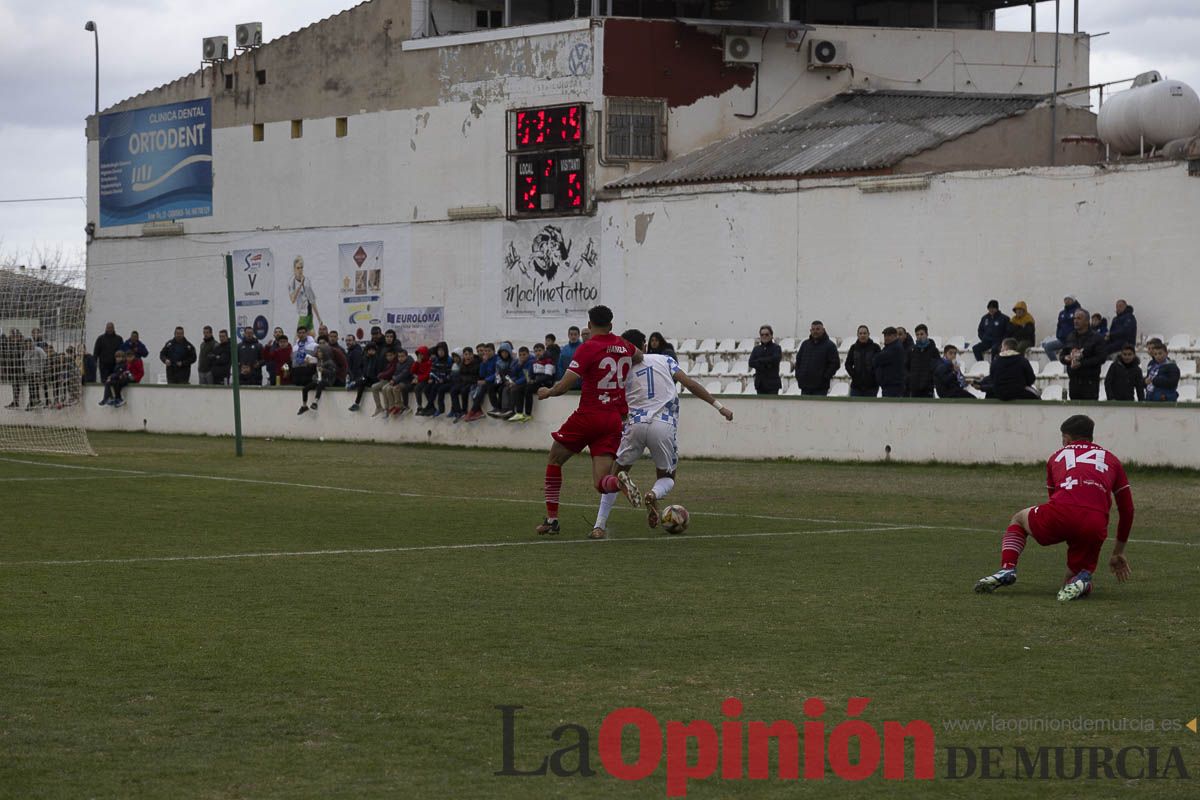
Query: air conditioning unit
x,y
249,34
743,50
216,48
828,54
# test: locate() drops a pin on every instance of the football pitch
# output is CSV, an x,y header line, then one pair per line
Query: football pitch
x,y
343,620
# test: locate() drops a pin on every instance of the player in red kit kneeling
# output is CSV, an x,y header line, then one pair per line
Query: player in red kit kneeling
x,y
1080,478
601,365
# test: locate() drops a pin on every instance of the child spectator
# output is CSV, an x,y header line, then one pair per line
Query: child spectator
x,y
438,384
948,378
521,388
396,392
487,377
544,367
550,347
659,346
922,359
1124,379
1162,375
383,383
128,369
421,369
368,376
463,385
501,379
1099,325
323,377
279,360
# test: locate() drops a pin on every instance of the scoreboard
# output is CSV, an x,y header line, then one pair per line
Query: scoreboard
x,y
548,160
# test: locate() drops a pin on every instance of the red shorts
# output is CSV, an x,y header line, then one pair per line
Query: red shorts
x,y
1083,529
600,432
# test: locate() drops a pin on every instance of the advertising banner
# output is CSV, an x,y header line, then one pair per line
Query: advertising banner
x,y
360,278
550,269
253,285
416,326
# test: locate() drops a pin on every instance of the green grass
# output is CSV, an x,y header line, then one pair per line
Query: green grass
x,y
375,674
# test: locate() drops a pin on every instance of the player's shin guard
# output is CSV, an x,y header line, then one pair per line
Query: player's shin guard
x,y
553,488
608,484
663,487
607,501
1011,546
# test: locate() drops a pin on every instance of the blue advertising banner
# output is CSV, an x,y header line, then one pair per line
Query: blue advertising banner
x,y
156,163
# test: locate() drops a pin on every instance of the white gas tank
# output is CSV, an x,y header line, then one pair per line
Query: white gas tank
x,y
1152,113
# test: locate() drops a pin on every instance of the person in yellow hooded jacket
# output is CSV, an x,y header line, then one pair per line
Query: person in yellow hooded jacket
x,y
1021,327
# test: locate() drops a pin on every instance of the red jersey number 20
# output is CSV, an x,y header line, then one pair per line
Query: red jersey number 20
x,y
616,370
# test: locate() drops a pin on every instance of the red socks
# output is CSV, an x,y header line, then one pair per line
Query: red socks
x,y
608,483
553,487
1011,546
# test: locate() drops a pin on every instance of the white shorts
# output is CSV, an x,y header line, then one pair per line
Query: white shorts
x,y
656,435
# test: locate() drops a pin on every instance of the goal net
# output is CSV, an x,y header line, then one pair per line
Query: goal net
x,y
42,353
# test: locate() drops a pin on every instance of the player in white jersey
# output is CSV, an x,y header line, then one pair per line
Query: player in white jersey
x,y
653,398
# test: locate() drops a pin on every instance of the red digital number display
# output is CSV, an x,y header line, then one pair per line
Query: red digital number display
x,y
551,183
553,126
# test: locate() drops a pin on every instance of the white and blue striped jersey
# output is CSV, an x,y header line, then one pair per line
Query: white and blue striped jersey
x,y
650,390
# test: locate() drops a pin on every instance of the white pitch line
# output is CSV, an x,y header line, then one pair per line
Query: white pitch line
x,y
80,478
431,547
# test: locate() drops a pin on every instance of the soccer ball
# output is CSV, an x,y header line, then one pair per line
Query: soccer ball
x,y
674,519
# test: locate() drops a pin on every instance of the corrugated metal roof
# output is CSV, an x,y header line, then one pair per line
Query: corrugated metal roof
x,y
848,132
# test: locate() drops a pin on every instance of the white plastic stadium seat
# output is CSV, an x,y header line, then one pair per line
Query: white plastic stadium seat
x,y
1055,369
844,346
1104,369
1053,392
1187,368
707,346
793,390
1179,343
841,374
714,387
686,346
746,346
958,341
788,345
1103,393
720,367
699,369
1037,368
727,346
840,389
1187,394
979,369
739,368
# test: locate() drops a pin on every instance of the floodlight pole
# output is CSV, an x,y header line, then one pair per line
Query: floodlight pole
x,y
91,26
233,357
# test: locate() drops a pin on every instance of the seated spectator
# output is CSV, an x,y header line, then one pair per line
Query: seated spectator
x,y
816,361
383,384
250,359
437,384
1011,375
764,360
323,377
551,348
368,376
922,359
1021,327
860,364
1162,375
951,384
222,359
992,328
1099,325
889,364
567,352
1083,353
354,362
1066,324
420,377
519,393
502,381
178,354
485,377
543,373
1124,380
398,388
1123,330
339,359
304,357
135,344
464,383
127,369
659,346
279,360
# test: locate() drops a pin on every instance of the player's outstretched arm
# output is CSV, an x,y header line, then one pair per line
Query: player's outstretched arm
x,y
698,390
569,381
1118,563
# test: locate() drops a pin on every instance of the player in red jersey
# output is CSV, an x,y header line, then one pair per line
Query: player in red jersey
x,y
1080,478
601,364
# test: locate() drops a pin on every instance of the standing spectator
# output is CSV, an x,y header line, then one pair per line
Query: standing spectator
x,y
464,384
906,341
269,355
764,360
250,359
816,361
568,352
889,364
322,378
12,348
396,393
551,348
383,385
948,377
222,359
1083,353
204,359
922,359
135,344
438,384
1162,375
860,364
1021,327
992,327
57,372
369,374
354,362
33,362
105,349
1099,325
1011,375
178,354
1066,323
420,376
657,345
279,360
1124,380
1123,330
74,384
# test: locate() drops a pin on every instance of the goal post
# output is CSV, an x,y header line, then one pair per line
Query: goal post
x,y
42,355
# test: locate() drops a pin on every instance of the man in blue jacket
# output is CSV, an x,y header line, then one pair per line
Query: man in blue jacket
x,y
993,326
1123,328
568,352
1066,325
889,365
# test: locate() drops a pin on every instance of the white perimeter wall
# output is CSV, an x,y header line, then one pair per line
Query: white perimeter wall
x,y
802,428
